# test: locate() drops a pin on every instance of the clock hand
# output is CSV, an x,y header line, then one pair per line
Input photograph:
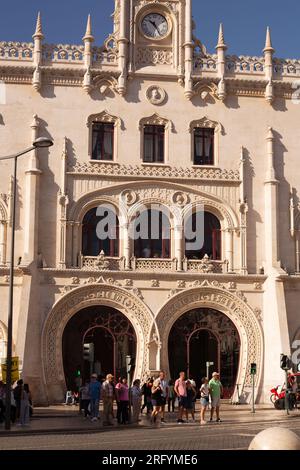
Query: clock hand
x,y
154,24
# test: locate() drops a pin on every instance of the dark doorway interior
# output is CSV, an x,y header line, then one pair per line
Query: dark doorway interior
x,y
97,339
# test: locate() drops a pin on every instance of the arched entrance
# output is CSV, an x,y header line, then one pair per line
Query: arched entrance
x,y
96,294
97,339
205,335
233,305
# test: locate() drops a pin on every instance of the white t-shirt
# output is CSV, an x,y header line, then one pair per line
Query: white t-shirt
x,y
204,390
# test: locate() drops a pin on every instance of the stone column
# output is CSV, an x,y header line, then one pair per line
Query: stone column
x,y
123,48
126,245
229,249
2,242
297,245
221,64
268,54
31,201
188,48
271,207
178,246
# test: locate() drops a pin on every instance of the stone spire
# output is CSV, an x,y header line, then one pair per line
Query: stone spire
x,y
88,33
88,39
268,46
221,63
38,29
37,54
221,41
268,53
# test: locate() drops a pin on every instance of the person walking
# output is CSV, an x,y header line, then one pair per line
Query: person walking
x,y
85,398
122,396
95,395
180,390
119,411
216,391
204,399
136,401
108,400
190,397
146,391
25,405
165,394
17,395
157,400
171,397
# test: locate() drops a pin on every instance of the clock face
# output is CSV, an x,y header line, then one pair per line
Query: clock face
x,y
155,26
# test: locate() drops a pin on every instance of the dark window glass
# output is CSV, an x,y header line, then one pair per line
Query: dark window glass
x,y
92,245
102,141
212,238
204,146
154,144
155,232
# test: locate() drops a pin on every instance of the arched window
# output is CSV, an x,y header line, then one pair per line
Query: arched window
x,y
211,237
100,231
152,235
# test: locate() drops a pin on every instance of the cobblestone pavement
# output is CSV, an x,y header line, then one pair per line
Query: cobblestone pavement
x,y
63,428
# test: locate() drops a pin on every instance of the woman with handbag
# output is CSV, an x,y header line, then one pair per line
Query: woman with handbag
x,y
204,399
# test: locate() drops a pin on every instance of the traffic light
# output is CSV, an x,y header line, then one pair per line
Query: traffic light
x,y
253,368
88,352
285,362
78,372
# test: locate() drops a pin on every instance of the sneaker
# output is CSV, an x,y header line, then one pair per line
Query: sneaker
x,y
210,419
218,420
202,423
162,421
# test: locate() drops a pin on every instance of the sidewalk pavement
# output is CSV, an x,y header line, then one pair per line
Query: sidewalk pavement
x,y
63,419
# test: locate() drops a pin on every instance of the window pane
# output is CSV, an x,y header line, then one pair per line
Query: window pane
x,y
108,146
204,146
148,148
102,141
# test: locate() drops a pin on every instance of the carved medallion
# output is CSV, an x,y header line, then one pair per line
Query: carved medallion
x,y
155,95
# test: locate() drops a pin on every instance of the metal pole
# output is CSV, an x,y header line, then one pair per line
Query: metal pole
x,y
286,400
10,305
253,390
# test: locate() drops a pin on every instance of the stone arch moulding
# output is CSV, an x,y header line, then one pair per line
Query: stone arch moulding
x,y
205,122
105,117
156,120
71,303
213,295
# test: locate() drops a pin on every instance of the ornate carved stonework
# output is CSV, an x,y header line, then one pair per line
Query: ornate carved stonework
x,y
63,310
213,295
155,95
137,171
150,56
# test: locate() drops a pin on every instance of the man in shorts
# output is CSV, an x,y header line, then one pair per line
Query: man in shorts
x,y
216,391
180,390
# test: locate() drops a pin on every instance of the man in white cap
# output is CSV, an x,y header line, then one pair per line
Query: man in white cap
x,y
216,390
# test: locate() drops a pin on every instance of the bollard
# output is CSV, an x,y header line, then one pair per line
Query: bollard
x,y
275,439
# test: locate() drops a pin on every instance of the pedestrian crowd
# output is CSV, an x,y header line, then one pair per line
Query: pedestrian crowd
x,y
21,408
157,395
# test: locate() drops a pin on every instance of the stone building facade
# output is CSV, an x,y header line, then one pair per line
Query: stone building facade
x,y
150,118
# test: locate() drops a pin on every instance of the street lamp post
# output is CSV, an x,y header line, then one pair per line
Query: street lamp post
x,y
41,142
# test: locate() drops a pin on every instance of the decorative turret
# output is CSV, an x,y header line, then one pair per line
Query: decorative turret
x,y
188,47
221,63
88,39
123,49
37,53
268,53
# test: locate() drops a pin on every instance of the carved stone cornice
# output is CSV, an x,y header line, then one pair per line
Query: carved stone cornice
x,y
144,172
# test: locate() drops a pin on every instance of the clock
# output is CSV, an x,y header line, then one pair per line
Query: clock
x,y
155,26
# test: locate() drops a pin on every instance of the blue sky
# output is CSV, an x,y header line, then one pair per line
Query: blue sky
x,y
244,22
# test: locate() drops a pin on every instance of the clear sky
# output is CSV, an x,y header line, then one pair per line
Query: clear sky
x,y
244,22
